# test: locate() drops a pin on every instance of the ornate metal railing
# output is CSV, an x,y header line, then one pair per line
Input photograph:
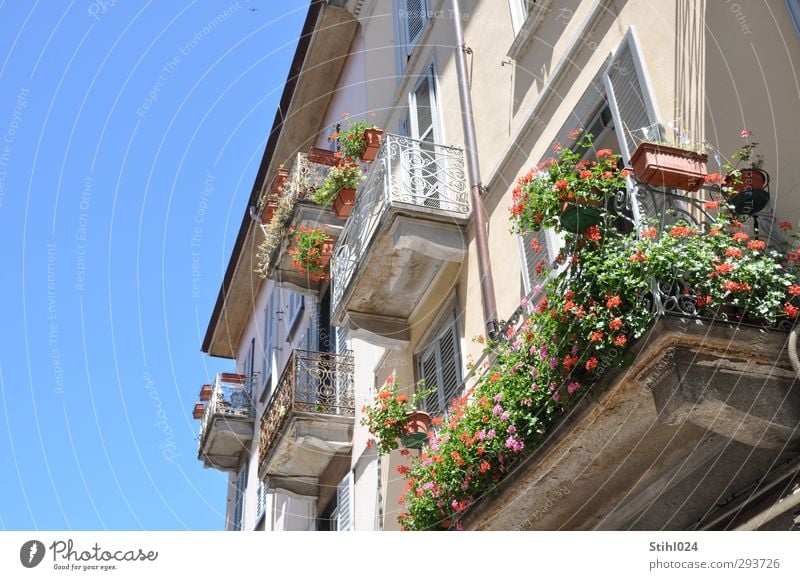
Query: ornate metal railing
x,y
313,382
305,177
231,396
406,173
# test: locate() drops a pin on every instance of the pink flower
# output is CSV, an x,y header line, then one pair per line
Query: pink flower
x,y
504,416
511,429
497,410
491,434
573,386
515,444
746,134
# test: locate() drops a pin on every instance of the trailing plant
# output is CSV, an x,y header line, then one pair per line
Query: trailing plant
x,y
540,195
308,252
346,175
582,326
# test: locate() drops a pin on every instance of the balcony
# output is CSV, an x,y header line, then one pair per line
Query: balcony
x,y
304,178
227,422
309,419
406,226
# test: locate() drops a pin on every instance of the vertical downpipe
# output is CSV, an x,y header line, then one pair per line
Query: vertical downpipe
x,y
473,171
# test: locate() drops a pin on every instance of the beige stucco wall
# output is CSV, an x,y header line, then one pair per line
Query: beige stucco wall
x,y
704,67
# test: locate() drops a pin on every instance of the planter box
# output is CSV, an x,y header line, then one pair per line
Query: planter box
x,y
323,156
344,202
199,411
205,393
374,138
269,211
666,166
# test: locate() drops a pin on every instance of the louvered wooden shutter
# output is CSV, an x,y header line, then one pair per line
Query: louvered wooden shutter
x,y
414,19
531,258
629,96
344,504
261,501
450,364
633,107
429,374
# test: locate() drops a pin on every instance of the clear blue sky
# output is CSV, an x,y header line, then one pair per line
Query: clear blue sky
x,y
130,136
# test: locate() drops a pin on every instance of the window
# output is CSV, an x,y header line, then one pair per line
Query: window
x,y
420,161
794,12
294,309
238,506
519,12
412,16
534,256
270,331
633,106
248,368
439,365
261,500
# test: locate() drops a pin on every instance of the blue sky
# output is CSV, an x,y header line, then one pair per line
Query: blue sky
x,y
130,136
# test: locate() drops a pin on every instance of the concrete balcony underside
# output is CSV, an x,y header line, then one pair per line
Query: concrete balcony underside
x,y
226,438
308,443
704,413
410,248
309,419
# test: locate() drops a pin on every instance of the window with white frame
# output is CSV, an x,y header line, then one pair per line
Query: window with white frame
x,y
519,12
270,331
261,500
238,506
438,364
412,16
294,308
794,13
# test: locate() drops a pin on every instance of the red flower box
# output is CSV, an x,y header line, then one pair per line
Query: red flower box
x,y
666,166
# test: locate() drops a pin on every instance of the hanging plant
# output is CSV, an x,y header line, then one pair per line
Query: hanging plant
x,y
312,252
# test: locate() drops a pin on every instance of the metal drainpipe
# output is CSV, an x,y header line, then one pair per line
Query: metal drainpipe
x,y
476,187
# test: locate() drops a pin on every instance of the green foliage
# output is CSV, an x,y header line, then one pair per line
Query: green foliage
x,y
346,175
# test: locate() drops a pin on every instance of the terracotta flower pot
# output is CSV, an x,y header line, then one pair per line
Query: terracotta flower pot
x,y
749,179
205,393
374,138
279,180
199,411
323,156
417,426
666,166
344,202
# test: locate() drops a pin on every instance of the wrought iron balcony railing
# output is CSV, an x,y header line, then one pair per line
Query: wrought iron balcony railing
x,y
407,174
231,397
313,382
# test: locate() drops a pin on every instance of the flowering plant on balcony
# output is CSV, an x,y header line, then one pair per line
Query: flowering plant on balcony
x,y
541,196
312,252
354,138
746,158
387,416
346,175
582,326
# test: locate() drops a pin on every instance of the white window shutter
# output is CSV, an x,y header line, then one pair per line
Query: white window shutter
x,y
630,95
344,504
414,20
530,258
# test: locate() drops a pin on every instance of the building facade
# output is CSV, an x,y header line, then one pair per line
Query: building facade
x,y
406,293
